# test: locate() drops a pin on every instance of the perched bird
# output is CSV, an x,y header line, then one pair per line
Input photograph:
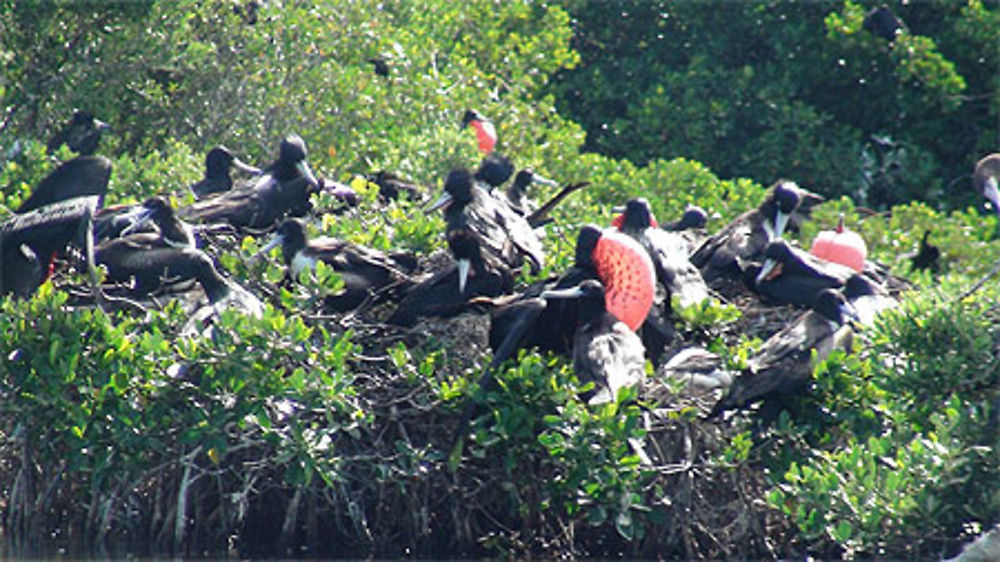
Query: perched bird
x,y
391,187
783,367
927,257
82,134
29,241
79,177
486,134
621,265
501,232
881,22
985,179
792,276
380,66
605,350
283,189
218,163
743,240
842,246
447,292
146,266
668,251
693,217
366,273
517,192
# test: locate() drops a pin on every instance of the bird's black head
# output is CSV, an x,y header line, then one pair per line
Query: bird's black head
x,y
638,215
470,116
778,250
832,305
694,217
217,162
858,285
586,241
158,207
458,184
786,196
464,245
292,232
293,149
494,169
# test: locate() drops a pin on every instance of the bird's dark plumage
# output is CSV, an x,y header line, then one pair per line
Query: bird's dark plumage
x,y
79,177
881,22
783,367
927,256
219,162
494,170
502,233
367,273
283,189
743,240
605,351
793,276
82,134
29,241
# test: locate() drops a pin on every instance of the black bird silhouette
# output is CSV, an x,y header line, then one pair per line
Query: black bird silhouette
x,y
792,276
783,367
391,187
381,66
79,177
927,257
881,22
148,266
82,134
517,192
29,241
743,240
445,294
367,273
219,162
284,189
501,232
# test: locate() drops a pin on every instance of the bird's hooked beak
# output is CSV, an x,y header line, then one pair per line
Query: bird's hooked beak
x,y
570,293
101,125
535,178
303,167
463,274
274,242
441,202
770,271
247,168
137,218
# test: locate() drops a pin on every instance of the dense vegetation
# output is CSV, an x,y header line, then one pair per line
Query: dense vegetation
x,y
303,433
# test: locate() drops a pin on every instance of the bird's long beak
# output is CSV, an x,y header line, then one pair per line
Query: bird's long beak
x,y
274,242
544,180
441,202
570,293
137,219
246,168
770,270
101,125
463,274
303,167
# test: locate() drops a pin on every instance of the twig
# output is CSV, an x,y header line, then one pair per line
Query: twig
x,y
979,284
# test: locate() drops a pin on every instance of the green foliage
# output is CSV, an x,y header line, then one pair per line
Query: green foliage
x,y
796,90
